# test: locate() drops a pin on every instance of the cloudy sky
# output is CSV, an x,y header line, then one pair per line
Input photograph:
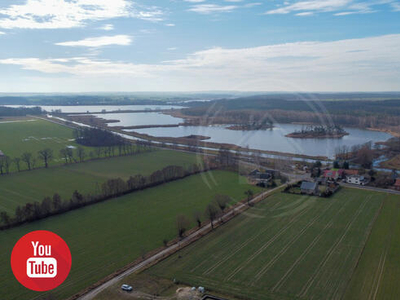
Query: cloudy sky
x,y
199,45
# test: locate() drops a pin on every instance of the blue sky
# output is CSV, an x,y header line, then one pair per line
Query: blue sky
x,y
199,45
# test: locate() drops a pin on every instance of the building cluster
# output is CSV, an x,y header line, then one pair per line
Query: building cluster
x,y
262,177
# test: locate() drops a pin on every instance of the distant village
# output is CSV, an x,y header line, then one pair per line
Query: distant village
x,y
325,181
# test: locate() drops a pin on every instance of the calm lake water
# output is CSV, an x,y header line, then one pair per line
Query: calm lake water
x,y
272,139
139,119
99,108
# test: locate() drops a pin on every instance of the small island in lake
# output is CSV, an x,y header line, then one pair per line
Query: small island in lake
x,y
319,132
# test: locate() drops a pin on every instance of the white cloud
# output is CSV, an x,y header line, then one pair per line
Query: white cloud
x,y
306,13
346,65
1,32
396,6
338,7
170,25
212,8
95,42
107,27
53,14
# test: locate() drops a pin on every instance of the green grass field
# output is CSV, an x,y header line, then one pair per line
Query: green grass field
x,y
20,188
32,135
286,247
378,273
106,236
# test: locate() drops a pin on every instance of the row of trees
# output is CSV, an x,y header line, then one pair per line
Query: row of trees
x,y
26,158
110,189
68,155
214,210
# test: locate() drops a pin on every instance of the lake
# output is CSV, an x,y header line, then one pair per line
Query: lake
x,y
272,139
140,119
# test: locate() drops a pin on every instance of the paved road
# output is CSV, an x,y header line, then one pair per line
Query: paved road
x,y
370,188
164,252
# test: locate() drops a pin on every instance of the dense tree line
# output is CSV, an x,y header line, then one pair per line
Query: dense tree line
x,y
112,188
19,111
355,118
95,137
321,130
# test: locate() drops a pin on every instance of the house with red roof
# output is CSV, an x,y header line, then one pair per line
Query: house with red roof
x,y
333,174
397,184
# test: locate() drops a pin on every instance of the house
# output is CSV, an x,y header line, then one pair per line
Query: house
x,y
396,185
333,174
350,172
357,179
255,172
1,153
262,176
309,188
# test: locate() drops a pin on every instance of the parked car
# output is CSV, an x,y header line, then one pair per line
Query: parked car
x,y
126,287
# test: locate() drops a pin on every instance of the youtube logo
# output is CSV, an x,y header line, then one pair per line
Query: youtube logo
x,y
41,260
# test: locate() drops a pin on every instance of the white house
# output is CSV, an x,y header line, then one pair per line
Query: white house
x,y
357,179
1,153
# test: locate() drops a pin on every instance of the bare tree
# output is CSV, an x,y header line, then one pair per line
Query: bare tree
x,y
81,154
5,218
249,194
46,155
7,163
63,154
222,201
99,151
211,213
1,165
182,224
70,154
27,159
197,215
17,162
56,201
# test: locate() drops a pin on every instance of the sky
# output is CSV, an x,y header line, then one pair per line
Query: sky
x,y
199,45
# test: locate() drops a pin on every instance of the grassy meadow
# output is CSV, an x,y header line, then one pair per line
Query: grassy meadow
x,y
87,177
106,236
286,247
31,135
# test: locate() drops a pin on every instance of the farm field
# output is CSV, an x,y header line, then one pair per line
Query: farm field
x,y
286,247
31,135
106,236
378,271
20,188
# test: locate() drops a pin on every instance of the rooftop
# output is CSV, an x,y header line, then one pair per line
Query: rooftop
x,y
305,185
